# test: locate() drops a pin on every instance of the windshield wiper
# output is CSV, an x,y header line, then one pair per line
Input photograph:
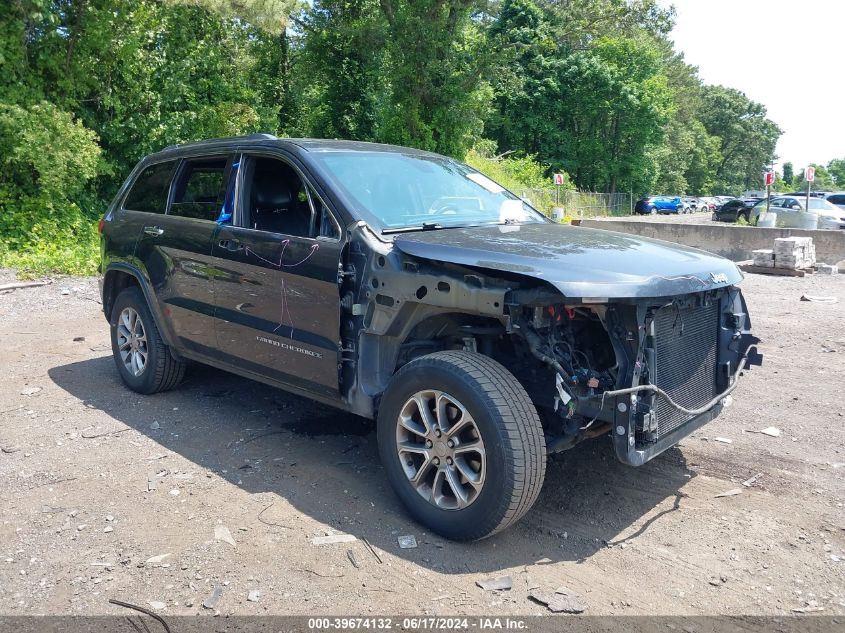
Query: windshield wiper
x,y
425,226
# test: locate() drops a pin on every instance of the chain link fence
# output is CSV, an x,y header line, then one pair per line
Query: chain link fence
x,y
580,204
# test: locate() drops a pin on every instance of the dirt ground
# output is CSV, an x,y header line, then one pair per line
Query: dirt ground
x,y
79,523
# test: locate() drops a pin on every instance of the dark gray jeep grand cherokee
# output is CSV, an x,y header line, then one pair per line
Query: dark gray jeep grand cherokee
x,y
407,287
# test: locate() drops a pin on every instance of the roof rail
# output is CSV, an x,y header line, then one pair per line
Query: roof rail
x,y
258,136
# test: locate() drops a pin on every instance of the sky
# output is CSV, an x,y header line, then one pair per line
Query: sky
x,y
786,55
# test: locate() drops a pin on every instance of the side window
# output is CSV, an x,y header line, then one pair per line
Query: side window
x,y
777,202
274,198
228,210
199,189
326,225
836,199
149,192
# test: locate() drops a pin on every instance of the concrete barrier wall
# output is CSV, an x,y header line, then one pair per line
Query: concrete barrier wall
x,y
731,241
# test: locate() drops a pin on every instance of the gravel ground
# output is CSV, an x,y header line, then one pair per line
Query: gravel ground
x,y
225,482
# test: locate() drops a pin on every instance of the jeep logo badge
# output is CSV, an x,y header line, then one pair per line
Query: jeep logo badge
x,y
719,278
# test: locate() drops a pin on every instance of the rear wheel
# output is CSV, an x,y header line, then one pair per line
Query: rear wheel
x,y
143,360
462,444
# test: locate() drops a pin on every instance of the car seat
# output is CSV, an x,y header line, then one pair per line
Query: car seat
x,y
275,209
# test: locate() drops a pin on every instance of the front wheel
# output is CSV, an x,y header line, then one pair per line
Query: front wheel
x,y
462,444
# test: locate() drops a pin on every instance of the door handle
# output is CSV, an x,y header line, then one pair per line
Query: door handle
x,y
231,245
155,231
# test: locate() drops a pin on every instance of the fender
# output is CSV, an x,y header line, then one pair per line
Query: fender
x,y
144,283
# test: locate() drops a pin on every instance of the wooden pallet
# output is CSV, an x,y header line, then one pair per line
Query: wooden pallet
x,y
784,272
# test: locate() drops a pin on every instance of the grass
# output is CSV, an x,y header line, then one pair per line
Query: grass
x,y
45,258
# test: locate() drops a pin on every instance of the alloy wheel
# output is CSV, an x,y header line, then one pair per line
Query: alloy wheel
x,y
441,449
132,341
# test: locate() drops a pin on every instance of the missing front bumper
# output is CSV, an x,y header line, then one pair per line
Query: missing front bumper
x,y
629,452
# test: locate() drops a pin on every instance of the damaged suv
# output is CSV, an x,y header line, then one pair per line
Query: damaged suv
x,y
407,287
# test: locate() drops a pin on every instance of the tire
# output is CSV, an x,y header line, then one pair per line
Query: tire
x,y
653,211
510,466
747,216
160,370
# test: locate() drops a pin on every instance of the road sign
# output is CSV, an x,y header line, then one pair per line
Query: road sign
x,y
560,179
810,174
770,178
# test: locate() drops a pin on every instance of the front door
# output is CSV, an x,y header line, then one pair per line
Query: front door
x,y
176,249
276,289
788,211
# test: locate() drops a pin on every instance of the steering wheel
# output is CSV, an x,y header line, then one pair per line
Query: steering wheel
x,y
447,207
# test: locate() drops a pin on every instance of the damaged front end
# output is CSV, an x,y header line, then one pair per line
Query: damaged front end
x,y
648,371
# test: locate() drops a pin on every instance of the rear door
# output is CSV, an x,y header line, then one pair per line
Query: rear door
x,y
277,294
176,250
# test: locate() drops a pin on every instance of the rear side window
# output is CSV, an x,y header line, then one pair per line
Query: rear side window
x,y
199,190
837,199
149,192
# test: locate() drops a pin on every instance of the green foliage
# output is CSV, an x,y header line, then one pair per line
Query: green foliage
x,y
747,138
780,185
590,87
54,254
823,181
521,174
344,57
594,111
788,172
436,98
46,159
512,172
271,16
836,169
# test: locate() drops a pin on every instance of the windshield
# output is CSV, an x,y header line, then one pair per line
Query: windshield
x,y
403,191
818,203
815,203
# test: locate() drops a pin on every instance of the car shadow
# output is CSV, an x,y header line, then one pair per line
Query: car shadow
x,y
325,464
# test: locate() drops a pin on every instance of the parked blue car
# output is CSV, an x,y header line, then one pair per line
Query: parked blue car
x,y
659,204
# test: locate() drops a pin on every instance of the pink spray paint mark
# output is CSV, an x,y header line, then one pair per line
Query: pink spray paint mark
x,y
280,264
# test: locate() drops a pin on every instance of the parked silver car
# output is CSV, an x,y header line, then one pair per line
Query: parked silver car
x,y
792,213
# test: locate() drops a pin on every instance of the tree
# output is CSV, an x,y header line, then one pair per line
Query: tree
x,y
343,59
822,180
437,95
836,169
594,112
788,173
111,81
687,159
581,21
747,138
